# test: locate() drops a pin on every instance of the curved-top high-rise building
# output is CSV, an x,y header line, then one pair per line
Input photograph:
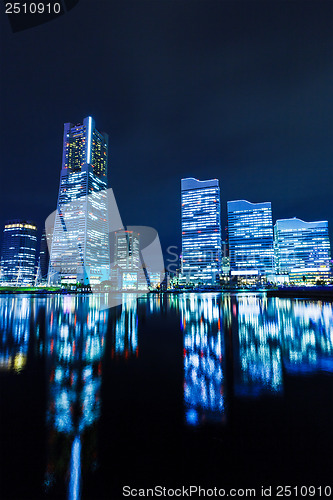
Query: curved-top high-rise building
x,y
250,232
301,246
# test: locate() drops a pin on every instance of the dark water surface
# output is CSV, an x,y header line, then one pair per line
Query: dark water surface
x,y
191,389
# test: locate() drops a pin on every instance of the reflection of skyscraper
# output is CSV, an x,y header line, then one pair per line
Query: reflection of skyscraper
x,y
201,230
19,252
125,342
15,321
250,232
80,251
302,247
259,361
75,346
203,359
307,341
279,334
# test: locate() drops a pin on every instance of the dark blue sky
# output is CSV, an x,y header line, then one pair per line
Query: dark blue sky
x,y
240,91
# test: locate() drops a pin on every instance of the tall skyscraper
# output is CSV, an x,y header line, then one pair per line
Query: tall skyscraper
x,y
250,232
80,244
302,247
201,230
18,262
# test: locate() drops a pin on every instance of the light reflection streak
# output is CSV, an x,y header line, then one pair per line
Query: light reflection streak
x,y
75,346
75,470
18,315
126,328
280,335
260,367
203,359
272,339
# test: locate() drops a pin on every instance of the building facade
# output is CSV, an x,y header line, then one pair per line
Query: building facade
x,y
201,230
127,260
80,242
43,260
18,261
302,249
250,236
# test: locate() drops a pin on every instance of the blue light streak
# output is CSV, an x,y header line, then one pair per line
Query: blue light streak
x,y
89,140
75,470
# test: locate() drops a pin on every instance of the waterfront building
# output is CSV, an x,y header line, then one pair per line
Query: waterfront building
x,y
19,253
302,250
250,236
80,243
165,284
127,264
157,280
201,230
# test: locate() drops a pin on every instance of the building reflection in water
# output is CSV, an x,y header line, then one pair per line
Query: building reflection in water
x,y
252,343
125,342
307,335
271,339
161,303
203,358
15,329
277,336
75,345
77,328
20,325
258,367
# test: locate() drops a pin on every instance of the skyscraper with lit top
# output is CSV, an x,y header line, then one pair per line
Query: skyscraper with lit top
x,y
201,230
80,245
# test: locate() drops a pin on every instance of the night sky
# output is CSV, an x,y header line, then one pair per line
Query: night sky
x,y
239,91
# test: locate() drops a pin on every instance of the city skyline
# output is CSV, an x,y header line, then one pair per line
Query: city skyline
x,y
176,327
253,249
240,92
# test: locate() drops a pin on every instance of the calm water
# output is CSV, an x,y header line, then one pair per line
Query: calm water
x,y
204,389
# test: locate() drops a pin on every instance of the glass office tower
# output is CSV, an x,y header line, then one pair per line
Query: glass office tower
x,y
18,261
201,230
80,243
250,232
301,247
